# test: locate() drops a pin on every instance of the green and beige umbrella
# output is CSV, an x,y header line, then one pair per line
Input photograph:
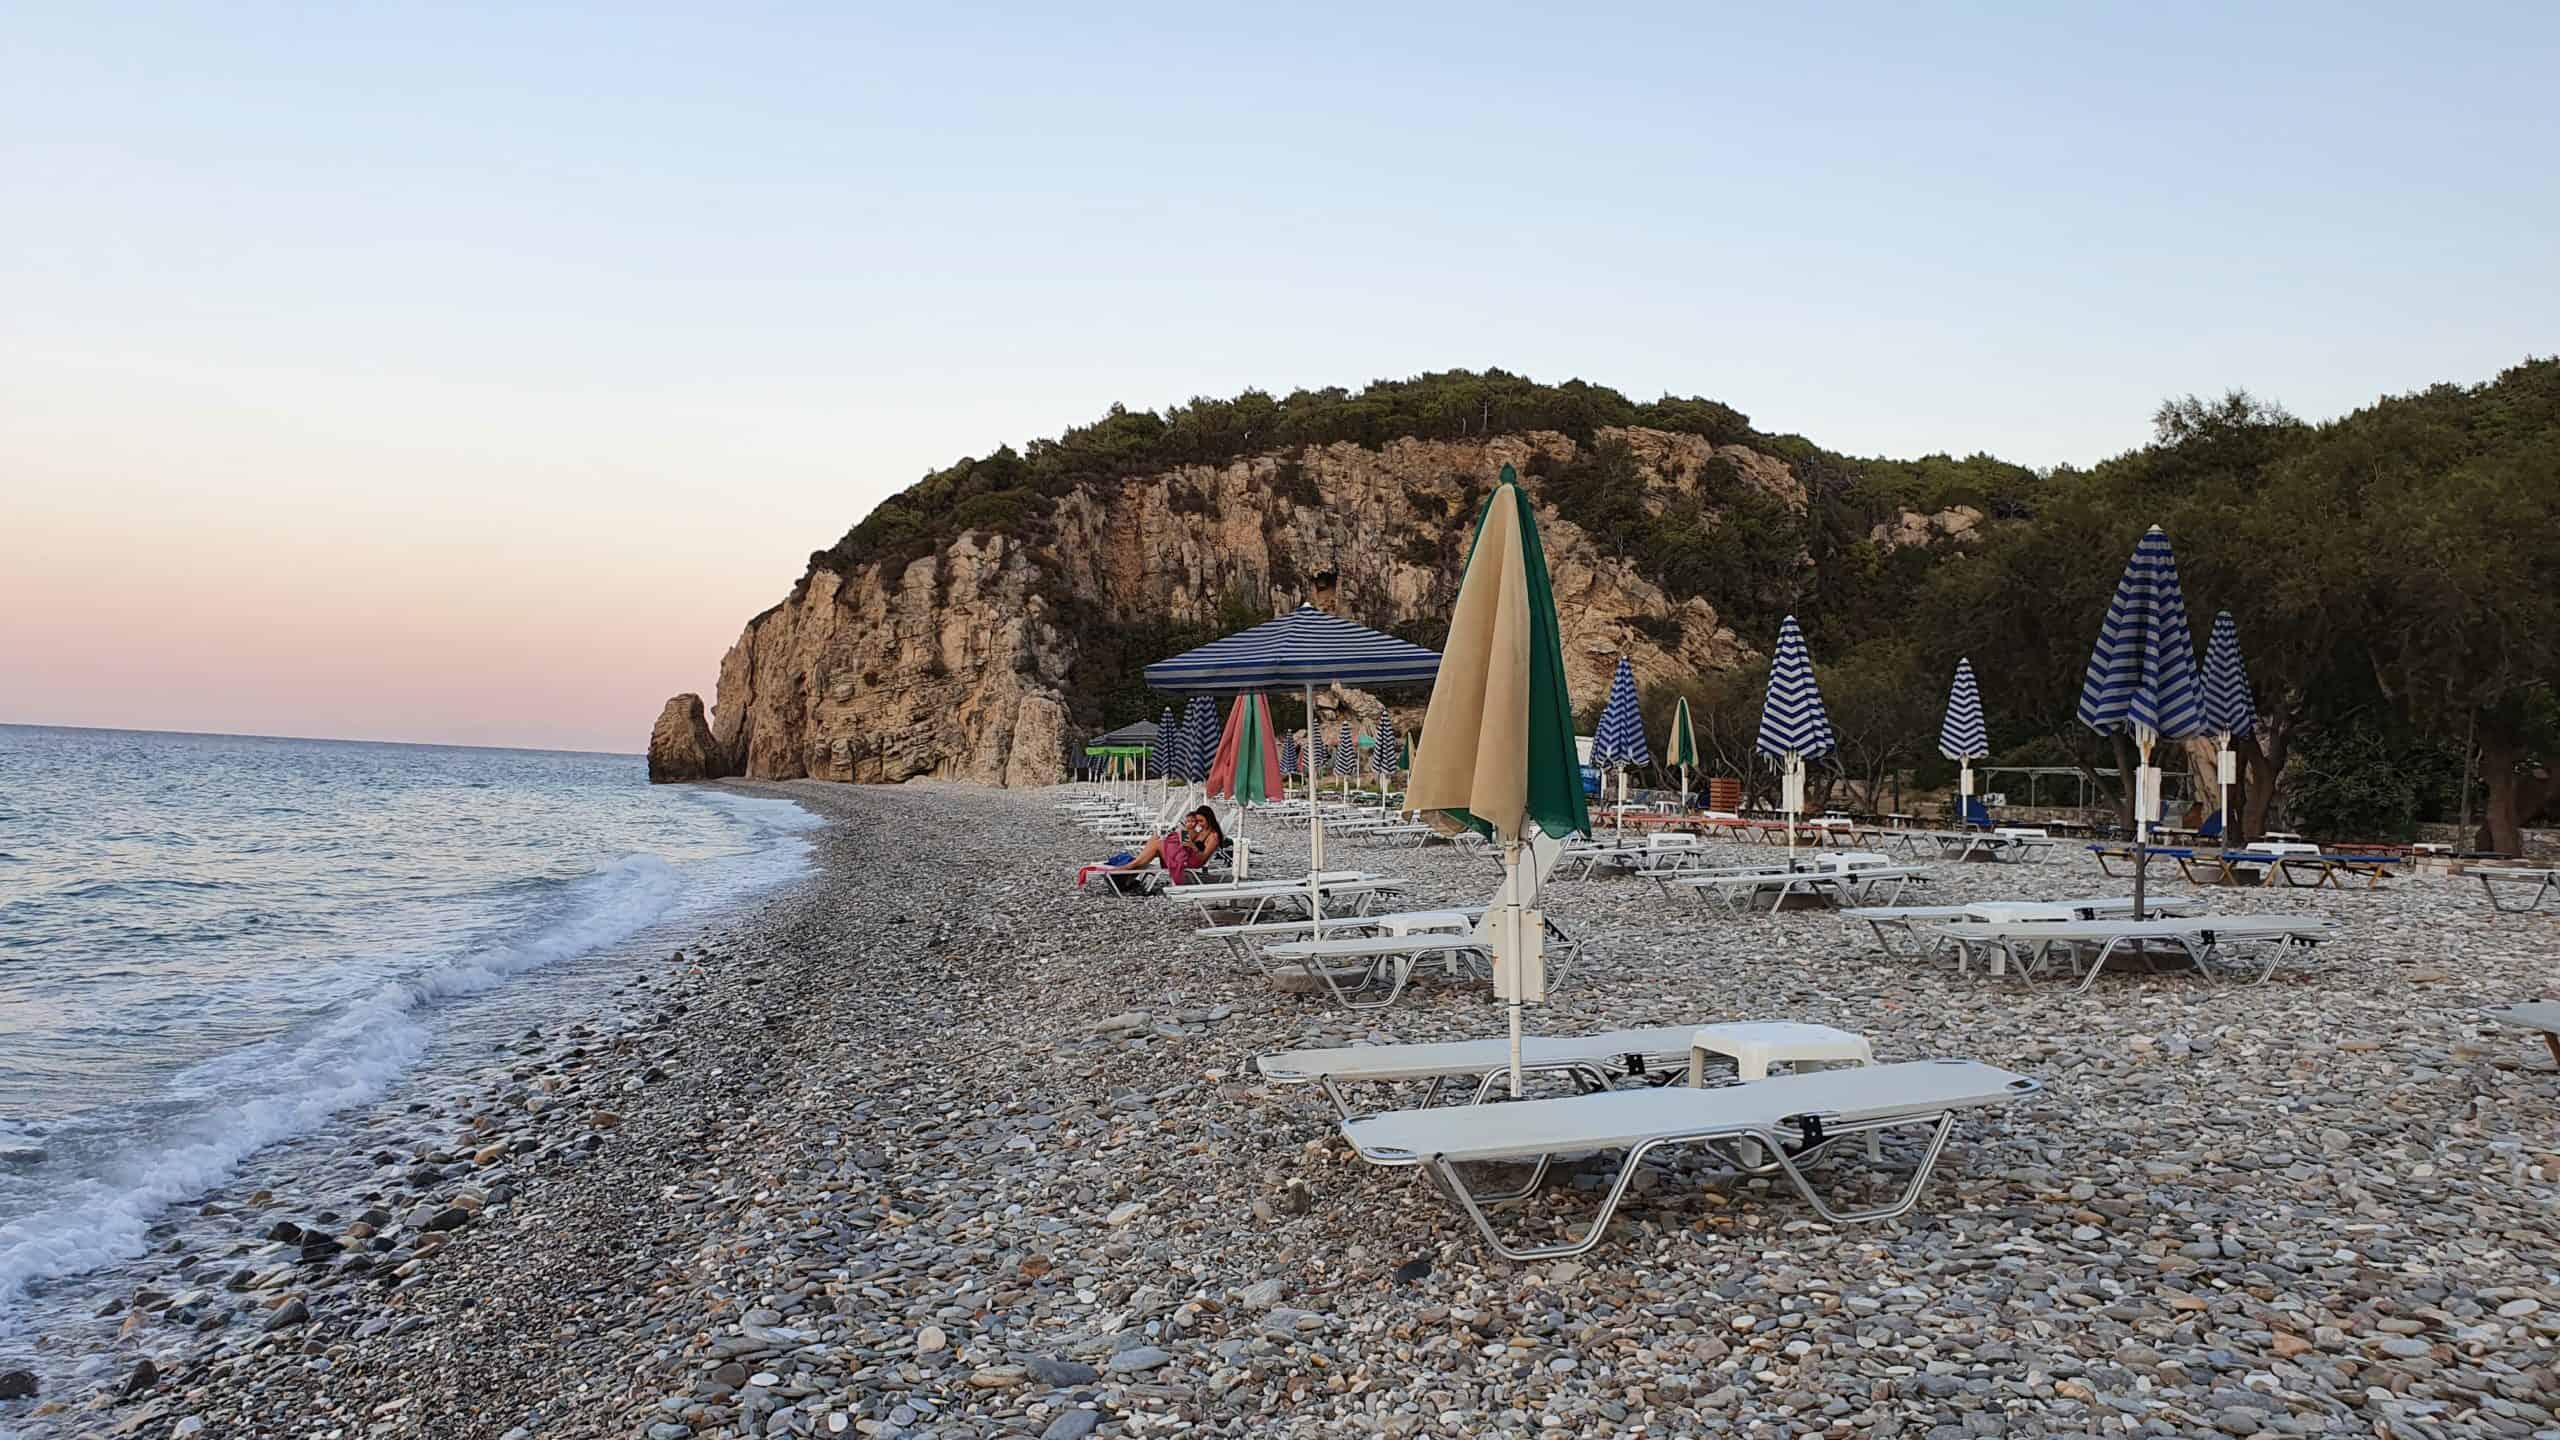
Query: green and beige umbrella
x,y
1501,760
1682,748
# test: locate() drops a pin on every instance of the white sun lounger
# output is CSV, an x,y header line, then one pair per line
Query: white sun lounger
x,y
2542,1015
1597,1061
1787,1117
1889,921
2200,939
1738,893
1366,960
1239,937
2544,883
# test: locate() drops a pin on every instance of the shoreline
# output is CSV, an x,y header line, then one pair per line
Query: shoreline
x,y
927,1143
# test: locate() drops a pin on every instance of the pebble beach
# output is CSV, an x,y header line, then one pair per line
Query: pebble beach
x,y
933,1144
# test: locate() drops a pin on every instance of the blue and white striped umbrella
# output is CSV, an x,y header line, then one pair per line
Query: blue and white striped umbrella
x,y
2229,708
2142,674
1390,746
1346,752
1792,720
1962,735
1289,754
1304,647
1168,744
1619,738
1201,733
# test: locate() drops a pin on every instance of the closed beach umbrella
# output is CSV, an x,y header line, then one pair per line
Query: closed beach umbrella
x,y
1199,738
1501,759
2142,679
1682,748
1962,736
2230,711
1247,765
1619,741
1289,756
1244,764
1168,736
1346,757
1305,648
1390,750
1794,727
1177,749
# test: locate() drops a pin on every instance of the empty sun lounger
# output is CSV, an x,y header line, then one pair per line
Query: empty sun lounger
x,y
2542,1015
1841,885
2545,885
1890,921
2201,940
1788,1118
1656,1056
1368,961
1391,922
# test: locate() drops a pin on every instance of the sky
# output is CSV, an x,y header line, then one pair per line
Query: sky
x,y
471,374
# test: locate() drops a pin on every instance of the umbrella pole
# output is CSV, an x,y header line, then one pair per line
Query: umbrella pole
x,y
1315,826
1510,937
2141,829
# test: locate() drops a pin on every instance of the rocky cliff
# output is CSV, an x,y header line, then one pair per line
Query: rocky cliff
x,y
980,659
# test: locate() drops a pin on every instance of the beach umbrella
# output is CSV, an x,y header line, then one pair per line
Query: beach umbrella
x,y
2141,679
1501,759
1198,748
1681,748
2230,710
1619,739
1346,758
1244,764
1303,648
1962,736
1177,749
1167,738
1793,725
1289,756
1389,750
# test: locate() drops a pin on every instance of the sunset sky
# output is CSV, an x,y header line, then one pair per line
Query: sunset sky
x,y
468,374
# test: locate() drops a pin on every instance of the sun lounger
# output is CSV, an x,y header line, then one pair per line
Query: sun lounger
x,y
2200,940
1789,1118
1899,920
1598,1062
1260,899
1367,961
1238,937
2545,885
2108,853
2542,1015
1657,1056
1740,892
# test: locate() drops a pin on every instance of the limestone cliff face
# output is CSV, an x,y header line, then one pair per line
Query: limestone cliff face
x,y
961,664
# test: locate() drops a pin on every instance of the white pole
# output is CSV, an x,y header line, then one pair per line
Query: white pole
x,y
2222,763
1509,936
1315,825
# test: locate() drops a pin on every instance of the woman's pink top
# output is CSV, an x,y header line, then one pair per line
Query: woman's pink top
x,y
1175,852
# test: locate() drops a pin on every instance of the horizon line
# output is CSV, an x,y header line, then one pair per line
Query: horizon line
x,y
315,739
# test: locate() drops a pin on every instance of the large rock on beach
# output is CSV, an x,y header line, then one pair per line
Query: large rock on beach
x,y
681,746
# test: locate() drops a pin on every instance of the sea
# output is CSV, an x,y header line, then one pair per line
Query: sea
x,y
212,945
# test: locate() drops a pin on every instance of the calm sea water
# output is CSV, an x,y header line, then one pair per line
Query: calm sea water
x,y
209,944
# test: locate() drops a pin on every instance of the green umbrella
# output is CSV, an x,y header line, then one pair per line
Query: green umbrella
x,y
1682,749
1501,759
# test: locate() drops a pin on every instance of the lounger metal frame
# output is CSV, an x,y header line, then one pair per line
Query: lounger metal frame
x,y
2545,882
1790,1147
2201,946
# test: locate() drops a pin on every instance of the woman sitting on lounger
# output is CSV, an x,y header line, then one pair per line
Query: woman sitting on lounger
x,y
1183,849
